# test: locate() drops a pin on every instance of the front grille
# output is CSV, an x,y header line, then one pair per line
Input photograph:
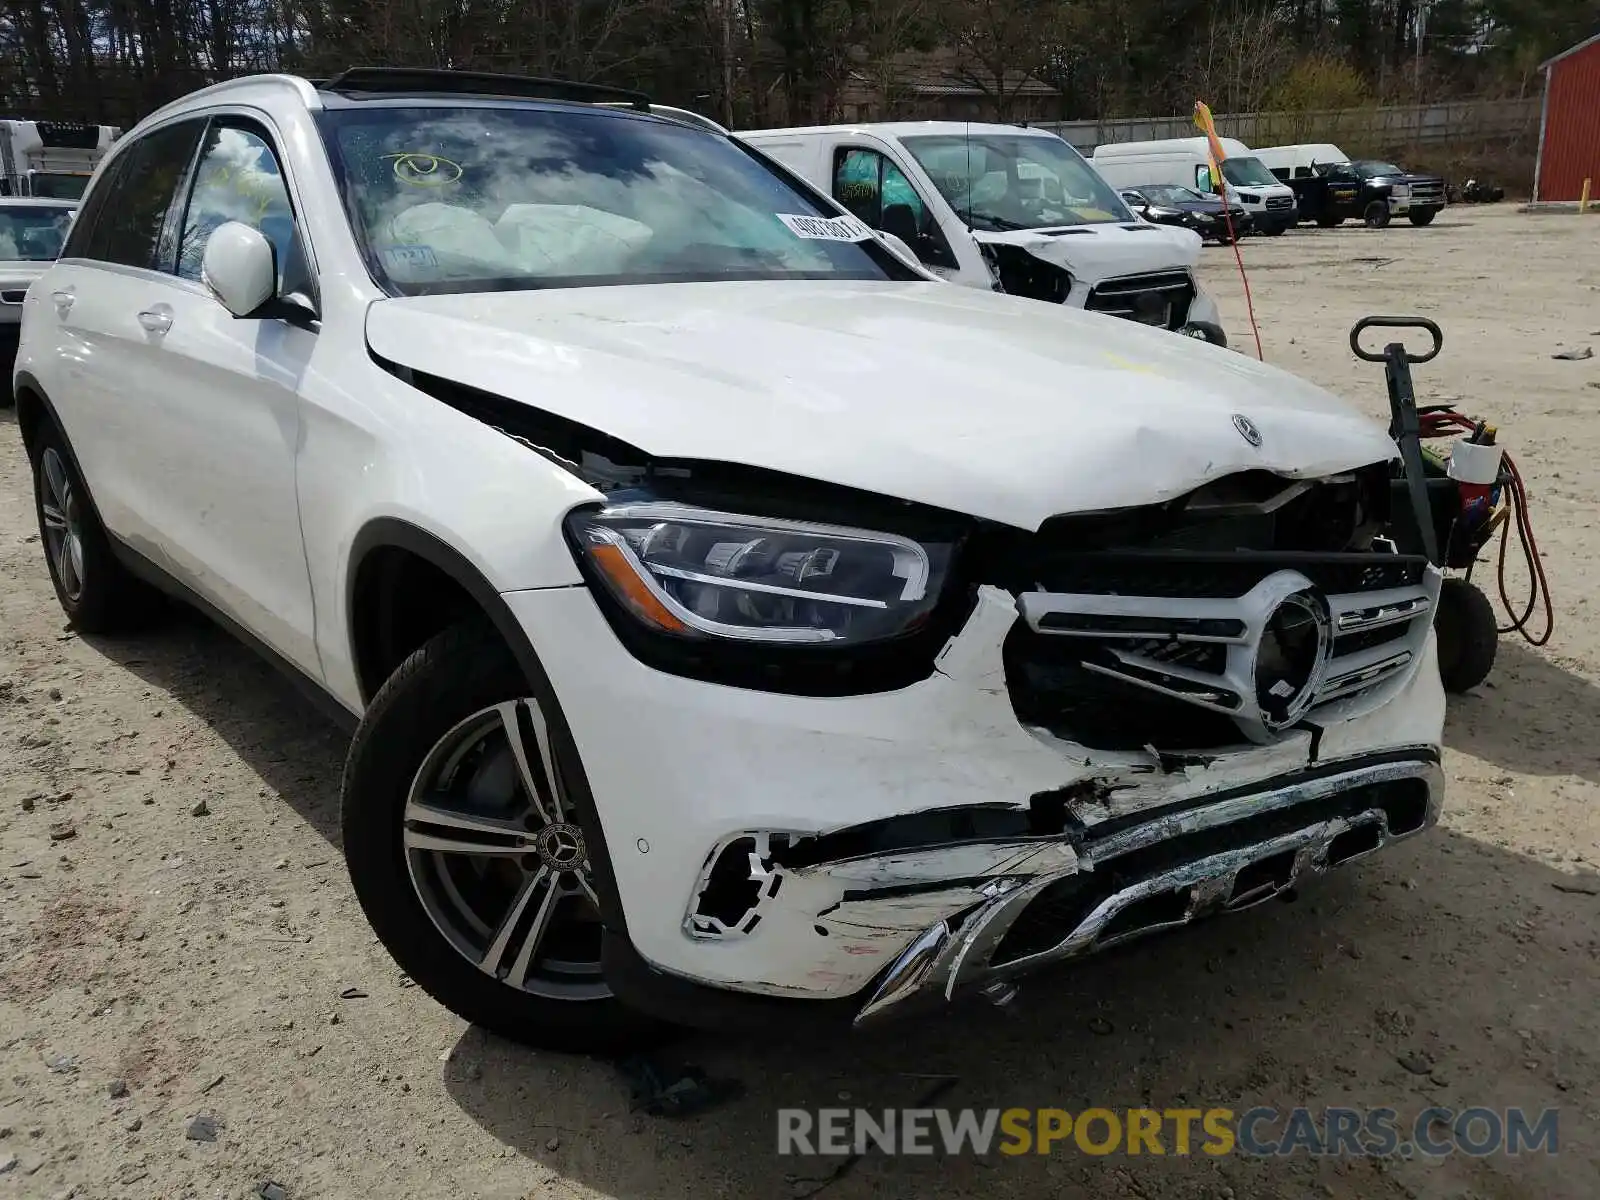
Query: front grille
x,y
1280,203
1159,298
1137,640
1427,193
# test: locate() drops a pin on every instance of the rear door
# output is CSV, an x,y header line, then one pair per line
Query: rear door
x,y
100,359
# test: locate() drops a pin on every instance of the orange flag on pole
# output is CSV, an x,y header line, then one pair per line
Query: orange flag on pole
x,y
1202,118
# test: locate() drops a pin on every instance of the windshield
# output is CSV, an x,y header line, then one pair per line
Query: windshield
x,y
476,198
29,234
1370,169
1169,193
1247,172
56,185
1009,181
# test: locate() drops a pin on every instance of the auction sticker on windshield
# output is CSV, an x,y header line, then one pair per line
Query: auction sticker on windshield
x,y
826,229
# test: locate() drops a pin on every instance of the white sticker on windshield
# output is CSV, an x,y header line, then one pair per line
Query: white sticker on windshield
x,y
405,258
826,229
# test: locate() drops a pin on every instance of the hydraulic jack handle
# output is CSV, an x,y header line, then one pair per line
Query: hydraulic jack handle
x,y
1404,424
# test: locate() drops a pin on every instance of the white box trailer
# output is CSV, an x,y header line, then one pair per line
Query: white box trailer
x,y
1187,162
51,159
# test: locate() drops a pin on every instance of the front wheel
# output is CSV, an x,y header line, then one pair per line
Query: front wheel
x,y
472,847
1423,216
1377,214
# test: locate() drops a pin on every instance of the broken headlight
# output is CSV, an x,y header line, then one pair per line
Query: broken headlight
x,y
702,574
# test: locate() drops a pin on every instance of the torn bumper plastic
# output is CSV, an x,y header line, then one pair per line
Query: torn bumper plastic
x,y
1331,820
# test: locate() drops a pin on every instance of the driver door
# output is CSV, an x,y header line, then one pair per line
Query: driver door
x,y
872,187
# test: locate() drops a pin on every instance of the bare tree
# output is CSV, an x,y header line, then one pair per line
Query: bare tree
x,y
999,44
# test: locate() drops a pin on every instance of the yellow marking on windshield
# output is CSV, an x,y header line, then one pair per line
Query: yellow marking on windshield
x,y
424,170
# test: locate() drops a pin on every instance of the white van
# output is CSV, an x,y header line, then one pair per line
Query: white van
x,y
1000,206
1301,161
1187,161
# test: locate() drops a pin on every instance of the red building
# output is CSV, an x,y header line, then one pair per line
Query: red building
x,y
1569,125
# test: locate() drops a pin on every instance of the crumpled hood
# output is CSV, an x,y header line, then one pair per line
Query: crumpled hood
x,y
990,405
1091,253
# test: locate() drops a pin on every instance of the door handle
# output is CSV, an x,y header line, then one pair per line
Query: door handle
x,y
156,320
63,302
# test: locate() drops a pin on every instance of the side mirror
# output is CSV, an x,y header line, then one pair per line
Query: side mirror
x,y
240,269
898,246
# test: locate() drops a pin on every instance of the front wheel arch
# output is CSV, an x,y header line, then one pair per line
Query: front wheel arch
x,y
389,533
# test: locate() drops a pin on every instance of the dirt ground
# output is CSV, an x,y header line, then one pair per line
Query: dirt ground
x,y
179,937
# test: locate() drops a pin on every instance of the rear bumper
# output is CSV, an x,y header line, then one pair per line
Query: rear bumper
x,y
10,336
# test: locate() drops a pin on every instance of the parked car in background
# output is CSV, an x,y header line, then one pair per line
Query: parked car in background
x,y
1331,190
1186,162
31,235
737,625
991,206
1208,215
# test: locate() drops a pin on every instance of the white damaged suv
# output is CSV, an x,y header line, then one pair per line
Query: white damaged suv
x,y
737,625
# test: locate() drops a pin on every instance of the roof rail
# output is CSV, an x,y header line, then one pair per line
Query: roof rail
x,y
388,81
682,116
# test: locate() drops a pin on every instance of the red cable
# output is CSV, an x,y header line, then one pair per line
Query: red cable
x,y
1442,424
1249,303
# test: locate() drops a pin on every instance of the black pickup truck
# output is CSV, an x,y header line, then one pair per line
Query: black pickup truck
x,y
1366,189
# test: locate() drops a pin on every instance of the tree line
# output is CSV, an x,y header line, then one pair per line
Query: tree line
x,y
758,62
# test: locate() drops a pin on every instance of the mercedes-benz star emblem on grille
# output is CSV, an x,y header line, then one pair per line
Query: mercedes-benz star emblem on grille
x,y
1291,656
1247,429
1263,658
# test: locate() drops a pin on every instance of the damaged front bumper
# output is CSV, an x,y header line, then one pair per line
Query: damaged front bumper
x,y
873,854
1062,901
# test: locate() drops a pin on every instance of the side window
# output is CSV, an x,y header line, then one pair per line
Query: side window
x,y
91,210
898,193
1202,178
878,192
238,178
131,209
856,184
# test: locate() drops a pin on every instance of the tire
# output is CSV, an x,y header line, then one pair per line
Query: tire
x,y
1376,215
460,923
97,592
1465,627
1424,217
1329,222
